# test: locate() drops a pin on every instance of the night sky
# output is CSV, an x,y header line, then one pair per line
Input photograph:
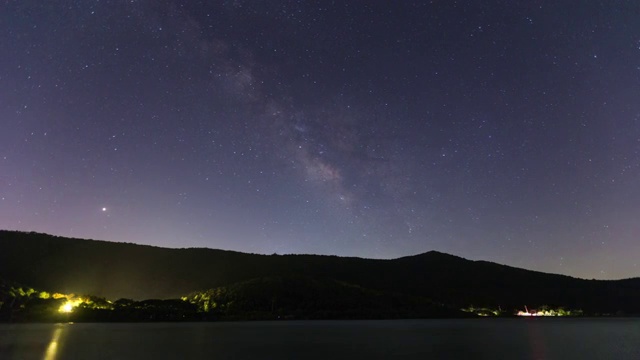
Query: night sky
x,y
506,131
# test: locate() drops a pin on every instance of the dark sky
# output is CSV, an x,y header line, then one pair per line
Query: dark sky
x,y
500,130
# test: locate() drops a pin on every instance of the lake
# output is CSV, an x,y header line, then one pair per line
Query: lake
x,y
579,338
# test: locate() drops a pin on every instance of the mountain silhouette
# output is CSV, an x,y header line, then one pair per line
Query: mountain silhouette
x,y
123,270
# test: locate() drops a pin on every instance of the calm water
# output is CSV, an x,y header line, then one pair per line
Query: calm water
x,y
408,339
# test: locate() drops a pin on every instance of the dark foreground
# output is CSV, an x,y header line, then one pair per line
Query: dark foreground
x,y
409,339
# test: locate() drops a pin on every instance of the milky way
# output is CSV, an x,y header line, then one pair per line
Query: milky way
x,y
507,131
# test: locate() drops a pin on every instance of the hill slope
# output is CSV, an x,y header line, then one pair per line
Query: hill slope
x,y
116,270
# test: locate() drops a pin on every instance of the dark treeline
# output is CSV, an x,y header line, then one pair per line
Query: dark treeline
x,y
118,270
24,304
303,297
258,299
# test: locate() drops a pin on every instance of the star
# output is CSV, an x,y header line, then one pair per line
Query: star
x,y
430,142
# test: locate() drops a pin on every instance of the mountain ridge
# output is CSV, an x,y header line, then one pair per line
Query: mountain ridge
x,y
118,270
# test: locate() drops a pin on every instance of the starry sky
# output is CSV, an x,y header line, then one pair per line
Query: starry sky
x,y
506,131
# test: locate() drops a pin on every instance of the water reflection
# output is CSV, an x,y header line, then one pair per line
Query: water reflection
x,y
530,339
52,349
536,341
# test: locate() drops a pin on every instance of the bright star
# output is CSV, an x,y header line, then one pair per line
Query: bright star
x,y
104,209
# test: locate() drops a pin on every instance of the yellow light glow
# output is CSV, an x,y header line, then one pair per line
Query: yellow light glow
x,y
66,308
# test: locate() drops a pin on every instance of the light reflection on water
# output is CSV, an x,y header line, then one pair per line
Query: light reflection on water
x,y
52,349
404,339
536,340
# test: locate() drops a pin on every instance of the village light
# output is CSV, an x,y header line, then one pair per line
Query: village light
x,y
66,308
